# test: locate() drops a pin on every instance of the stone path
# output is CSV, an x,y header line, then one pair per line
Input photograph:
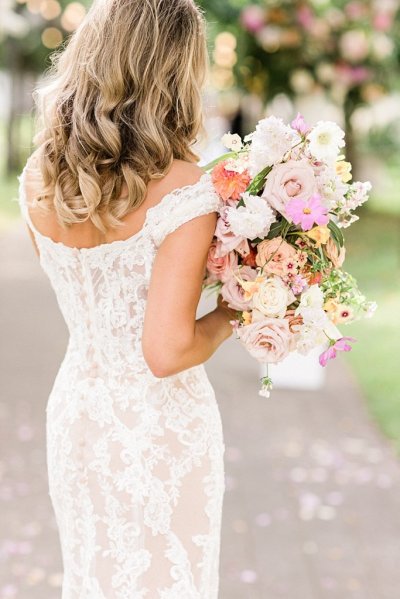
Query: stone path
x,y
312,502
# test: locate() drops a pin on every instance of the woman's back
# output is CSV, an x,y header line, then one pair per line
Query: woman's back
x,y
126,450
101,282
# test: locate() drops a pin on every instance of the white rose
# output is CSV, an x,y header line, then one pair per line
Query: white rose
x,y
273,297
252,220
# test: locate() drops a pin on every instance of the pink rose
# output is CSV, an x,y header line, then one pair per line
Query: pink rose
x,y
273,255
267,340
233,292
220,266
229,241
291,179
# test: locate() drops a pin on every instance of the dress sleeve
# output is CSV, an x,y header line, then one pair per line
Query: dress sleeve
x,y
181,206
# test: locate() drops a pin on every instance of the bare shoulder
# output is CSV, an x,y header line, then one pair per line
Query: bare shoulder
x,y
185,173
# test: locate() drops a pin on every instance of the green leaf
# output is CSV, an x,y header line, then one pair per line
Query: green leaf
x,y
275,230
259,180
336,234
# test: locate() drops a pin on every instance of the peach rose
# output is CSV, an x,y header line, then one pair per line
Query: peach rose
x,y
267,340
273,254
291,179
337,258
233,292
221,267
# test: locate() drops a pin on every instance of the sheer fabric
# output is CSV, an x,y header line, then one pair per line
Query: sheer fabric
x,y
135,463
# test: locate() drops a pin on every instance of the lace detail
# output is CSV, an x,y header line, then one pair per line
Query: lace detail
x,y
135,463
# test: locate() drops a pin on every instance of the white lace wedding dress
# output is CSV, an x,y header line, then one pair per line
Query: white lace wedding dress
x,y
135,463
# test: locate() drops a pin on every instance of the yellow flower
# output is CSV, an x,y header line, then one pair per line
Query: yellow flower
x,y
250,287
246,316
319,234
343,169
331,305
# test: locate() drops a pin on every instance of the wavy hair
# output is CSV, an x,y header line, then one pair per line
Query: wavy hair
x,y
120,102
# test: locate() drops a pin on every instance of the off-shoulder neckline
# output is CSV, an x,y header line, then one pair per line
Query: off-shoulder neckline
x,y
108,244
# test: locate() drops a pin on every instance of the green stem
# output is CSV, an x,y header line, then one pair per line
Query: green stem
x,y
210,165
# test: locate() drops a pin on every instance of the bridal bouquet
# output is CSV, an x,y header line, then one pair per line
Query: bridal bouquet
x,y
286,196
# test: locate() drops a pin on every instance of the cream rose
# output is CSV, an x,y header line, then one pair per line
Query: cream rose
x,y
273,297
273,254
267,340
292,179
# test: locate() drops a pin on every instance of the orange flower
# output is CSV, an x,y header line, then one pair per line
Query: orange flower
x,y
315,278
229,184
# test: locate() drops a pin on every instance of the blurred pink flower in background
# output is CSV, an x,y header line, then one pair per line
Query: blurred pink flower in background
x,y
253,18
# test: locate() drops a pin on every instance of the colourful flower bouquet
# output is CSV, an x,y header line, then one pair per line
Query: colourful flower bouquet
x,y
286,195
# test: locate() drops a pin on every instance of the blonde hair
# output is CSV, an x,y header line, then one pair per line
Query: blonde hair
x,y
119,104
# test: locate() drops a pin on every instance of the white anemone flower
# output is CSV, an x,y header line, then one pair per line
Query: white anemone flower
x,y
232,141
325,141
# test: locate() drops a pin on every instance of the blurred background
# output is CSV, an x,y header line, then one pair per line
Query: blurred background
x,y
313,479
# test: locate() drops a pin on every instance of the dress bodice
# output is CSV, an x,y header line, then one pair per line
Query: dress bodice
x,y
102,290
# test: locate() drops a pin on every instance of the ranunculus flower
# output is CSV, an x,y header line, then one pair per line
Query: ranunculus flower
x,y
273,297
233,292
335,256
228,183
291,179
267,340
272,255
221,266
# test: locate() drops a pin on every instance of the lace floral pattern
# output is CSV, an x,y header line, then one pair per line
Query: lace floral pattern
x,y
135,463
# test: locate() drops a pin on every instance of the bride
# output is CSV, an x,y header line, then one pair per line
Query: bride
x,y
122,219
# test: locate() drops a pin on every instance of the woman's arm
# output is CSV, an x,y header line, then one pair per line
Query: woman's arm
x,y
172,338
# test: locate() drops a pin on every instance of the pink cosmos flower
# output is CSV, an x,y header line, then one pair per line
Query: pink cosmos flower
x,y
305,212
339,345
